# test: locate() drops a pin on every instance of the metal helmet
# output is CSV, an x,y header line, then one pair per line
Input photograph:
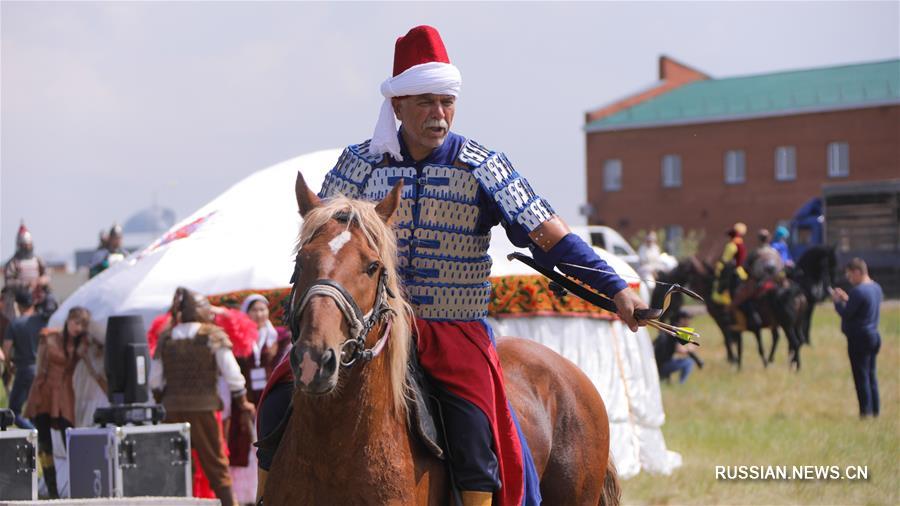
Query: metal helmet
x,y
115,230
23,238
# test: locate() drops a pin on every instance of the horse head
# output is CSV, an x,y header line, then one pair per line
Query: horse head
x,y
818,270
345,295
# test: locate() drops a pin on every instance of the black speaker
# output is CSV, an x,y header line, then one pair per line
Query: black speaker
x,y
127,359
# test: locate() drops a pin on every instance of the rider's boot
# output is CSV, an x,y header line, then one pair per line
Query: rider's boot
x,y
475,498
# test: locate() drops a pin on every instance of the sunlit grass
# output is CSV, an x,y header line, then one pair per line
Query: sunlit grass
x,y
778,417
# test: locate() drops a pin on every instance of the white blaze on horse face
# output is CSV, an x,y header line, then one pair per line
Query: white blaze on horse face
x,y
308,368
339,241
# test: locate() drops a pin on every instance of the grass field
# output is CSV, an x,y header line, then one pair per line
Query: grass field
x,y
773,416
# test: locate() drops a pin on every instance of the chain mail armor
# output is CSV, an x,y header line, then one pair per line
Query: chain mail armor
x,y
190,369
444,220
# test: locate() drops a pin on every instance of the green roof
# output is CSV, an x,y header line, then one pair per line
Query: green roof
x,y
776,94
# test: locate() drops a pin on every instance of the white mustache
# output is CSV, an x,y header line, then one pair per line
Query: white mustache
x,y
437,123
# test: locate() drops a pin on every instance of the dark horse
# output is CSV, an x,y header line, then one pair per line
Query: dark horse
x,y
347,440
815,272
782,308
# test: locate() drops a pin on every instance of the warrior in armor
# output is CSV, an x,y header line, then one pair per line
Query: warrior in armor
x,y
187,363
765,270
455,191
765,261
24,270
110,251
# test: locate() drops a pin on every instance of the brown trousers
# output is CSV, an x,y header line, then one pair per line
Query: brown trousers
x,y
207,440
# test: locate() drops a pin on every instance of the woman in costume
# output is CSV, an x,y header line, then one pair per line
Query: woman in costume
x,y
51,401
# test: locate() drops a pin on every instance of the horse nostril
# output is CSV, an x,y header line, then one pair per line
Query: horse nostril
x,y
328,363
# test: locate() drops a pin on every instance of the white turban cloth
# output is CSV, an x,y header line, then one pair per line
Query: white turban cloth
x,y
432,77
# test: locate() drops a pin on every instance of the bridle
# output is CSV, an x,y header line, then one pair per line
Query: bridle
x,y
354,347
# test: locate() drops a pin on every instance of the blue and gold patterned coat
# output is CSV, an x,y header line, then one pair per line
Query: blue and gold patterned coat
x,y
451,200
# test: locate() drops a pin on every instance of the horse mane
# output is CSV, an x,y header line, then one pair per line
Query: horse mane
x,y
382,239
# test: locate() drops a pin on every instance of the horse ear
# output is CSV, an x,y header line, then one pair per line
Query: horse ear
x,y
388,206
306,199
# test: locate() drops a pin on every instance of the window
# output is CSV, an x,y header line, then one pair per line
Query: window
x,y
674,236
735,173
612,175
671,171
785,163
838,159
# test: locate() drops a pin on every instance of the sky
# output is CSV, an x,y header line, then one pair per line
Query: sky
x,y
108,107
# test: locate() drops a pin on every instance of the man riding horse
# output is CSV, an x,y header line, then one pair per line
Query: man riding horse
x,y
455,191
765,271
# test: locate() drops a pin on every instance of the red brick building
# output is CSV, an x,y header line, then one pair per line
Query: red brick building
x,y
694,153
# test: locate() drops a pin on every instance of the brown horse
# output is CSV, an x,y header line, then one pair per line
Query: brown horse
x,y
347,441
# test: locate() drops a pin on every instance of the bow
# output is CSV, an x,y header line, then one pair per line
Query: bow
x,y
649,316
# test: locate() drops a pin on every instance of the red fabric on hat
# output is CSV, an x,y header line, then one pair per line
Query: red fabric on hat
x,y
462,357
421,44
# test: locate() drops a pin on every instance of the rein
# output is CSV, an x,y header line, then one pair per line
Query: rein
x,y
354,347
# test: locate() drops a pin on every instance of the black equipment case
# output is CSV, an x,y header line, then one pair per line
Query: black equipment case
x,y
130,461
18,474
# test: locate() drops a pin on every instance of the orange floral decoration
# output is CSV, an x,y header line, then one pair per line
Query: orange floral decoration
x,y
511,296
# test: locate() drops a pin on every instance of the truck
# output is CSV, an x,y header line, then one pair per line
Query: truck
x,y
862,219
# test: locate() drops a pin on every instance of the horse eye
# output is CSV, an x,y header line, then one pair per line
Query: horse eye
x,y
372,268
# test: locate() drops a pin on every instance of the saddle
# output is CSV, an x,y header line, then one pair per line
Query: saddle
x,y
424,418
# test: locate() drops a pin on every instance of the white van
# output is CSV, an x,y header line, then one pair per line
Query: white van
x,y
610,240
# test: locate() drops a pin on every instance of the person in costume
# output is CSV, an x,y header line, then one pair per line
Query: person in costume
x,y
764,262
242,333
765,271
270,347
187,362
24,270
455,191
51,401
779,242
729,269
110,251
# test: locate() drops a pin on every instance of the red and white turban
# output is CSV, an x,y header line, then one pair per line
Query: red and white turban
x,y
421,65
